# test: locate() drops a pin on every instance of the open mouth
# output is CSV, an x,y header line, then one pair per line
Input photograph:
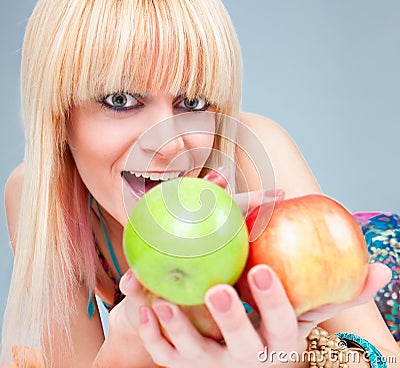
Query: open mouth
x,y
140,183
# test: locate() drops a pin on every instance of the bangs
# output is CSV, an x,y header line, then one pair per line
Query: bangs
x,y
176,47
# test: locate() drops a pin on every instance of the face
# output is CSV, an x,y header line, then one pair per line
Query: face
x,y
124,144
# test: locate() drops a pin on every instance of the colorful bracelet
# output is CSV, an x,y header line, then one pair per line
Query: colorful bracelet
x,y
376,360
335,351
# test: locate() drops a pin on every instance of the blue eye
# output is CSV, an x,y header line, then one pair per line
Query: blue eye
x,y
120,101
195,104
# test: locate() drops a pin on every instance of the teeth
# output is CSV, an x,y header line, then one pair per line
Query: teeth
x,y
156,176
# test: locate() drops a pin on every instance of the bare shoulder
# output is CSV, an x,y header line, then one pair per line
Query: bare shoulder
x,y
291,172
267,130
12,199
253,119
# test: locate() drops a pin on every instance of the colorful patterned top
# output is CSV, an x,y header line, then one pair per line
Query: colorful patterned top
x,y
382,234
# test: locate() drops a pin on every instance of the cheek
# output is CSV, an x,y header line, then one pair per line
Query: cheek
x,y
93,148
96,140
200,147
88,151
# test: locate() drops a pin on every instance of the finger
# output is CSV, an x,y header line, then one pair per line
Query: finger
x,y
129,284
247,201
242,340
180,331
131,287
218,176
377,277
278,319
160,350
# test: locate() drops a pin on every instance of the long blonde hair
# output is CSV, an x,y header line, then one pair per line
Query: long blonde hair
x,y
78,50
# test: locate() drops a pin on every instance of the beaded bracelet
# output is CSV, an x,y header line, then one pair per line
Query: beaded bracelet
x,y
334,351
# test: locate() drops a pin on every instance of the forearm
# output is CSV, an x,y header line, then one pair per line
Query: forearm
x,y
372,328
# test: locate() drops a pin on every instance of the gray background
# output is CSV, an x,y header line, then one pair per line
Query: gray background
x,y
327,71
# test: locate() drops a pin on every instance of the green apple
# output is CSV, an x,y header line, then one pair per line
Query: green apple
x,y
184,236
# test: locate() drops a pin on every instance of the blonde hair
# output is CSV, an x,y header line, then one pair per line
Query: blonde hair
x,y
76,51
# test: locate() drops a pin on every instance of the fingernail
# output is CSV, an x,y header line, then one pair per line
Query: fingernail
x,y
129,281
128,275
273,195
220,300
143,315
164,312
262,279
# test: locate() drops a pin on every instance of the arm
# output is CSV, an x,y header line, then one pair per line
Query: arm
x,y
87,339
366,321
291,171
294,176
280,329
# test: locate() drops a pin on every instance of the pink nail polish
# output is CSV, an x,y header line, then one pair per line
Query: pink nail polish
x,y
128,275
220,300
262,279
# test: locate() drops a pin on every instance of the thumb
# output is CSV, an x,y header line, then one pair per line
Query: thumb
x,y
218,176
131,287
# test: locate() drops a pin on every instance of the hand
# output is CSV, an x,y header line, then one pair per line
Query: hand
x,y
126,347
378,276
246,201
125,312
186,347
279,328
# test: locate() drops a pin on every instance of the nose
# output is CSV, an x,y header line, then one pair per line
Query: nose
x,y
166,141
172,146
164,138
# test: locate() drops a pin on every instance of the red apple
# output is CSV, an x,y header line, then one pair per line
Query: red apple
x,y
316,248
